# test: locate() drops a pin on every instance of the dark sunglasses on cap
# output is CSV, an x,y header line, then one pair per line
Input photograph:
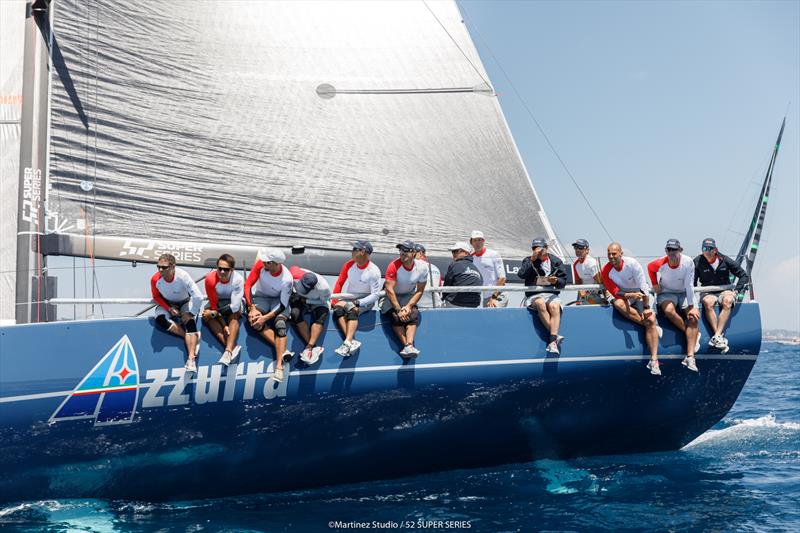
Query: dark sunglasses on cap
x,y
164,267
709,248
672,249
223,269
580,247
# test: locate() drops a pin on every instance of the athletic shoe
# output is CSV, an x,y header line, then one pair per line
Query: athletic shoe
x,y
235,353
344,349
553,348
413,350
654,367
559,339
287,356
191,365
354,346
715,341
316,352
226,358
278,375
660,331
406,351
690,363
305,356
697,344
725,349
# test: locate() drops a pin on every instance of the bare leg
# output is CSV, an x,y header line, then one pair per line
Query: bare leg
x,y
302,330
350,330
710,312
280,347
233,328
341,322
668,308
176,330
691,334
191,340
649,323
316,331
554,309
215,326
400,331
725,312
411,332
269,336
541,310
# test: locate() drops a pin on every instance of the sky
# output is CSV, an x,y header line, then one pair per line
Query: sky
x,y
666,114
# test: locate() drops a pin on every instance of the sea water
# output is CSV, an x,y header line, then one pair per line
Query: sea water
x,y
743,474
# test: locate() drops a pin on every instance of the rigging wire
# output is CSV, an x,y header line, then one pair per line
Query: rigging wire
x,y
538,126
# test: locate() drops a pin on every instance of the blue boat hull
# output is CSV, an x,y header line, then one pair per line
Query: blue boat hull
x,y
482,393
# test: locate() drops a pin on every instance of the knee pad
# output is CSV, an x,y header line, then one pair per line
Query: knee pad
x,y
295,315
162,322
320,315
280,326
338,312
352,313
190,326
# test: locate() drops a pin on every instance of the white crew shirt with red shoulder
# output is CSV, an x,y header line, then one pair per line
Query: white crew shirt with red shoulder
x,y
261,282
319,295
362,282
181,287
629,276
406,279
678,278
232,290
584,270
491,266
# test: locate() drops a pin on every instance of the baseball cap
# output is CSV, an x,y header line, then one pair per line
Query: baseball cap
x,y
419,247
296,272
407,246
709,243
674,244
363,245
308,281
539,243
580,243
461,245
476,234
271,255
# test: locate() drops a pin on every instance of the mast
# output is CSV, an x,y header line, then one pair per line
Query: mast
x,y
747,252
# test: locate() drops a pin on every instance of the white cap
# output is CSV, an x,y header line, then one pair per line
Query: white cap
x,y
461,246
476,234
271,254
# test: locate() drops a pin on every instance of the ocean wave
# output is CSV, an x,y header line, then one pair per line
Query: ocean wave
x,y
741,429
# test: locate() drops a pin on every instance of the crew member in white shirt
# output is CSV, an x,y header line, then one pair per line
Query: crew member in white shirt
x,y
430,299
179,300
586,271
406,278
672,277
492,269
311,297
225,291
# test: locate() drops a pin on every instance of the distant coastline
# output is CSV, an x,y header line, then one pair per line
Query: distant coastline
x,y
782,336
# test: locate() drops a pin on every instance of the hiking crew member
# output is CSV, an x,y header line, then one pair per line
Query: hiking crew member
x,y
179,300
713,268
267,291
586,271
626,281
225,291
311,295
361,278
672,277
462,272
406,278
429,299
492,270
537,268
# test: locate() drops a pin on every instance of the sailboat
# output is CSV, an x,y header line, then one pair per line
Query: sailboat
x,y
216,126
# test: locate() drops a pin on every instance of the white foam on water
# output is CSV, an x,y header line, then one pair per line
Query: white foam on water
x,y
743,428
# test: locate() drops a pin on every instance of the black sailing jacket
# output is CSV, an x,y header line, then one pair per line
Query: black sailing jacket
x,y
531,269
723,275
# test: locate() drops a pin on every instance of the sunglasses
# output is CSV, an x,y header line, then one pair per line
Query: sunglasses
x,y
708,248
580,248
223,269
272,262
672,249
164,267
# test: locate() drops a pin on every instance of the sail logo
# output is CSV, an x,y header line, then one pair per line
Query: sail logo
x,y
108,394
185,253
31,194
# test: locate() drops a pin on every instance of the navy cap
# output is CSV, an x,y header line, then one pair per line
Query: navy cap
x,y
363,245
673,243
709,243
580,243
308,281
539,243
407,246
419,247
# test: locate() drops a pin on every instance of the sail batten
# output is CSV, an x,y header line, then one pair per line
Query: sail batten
x,y
211,126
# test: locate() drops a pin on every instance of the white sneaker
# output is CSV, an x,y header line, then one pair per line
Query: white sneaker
x,y
226,358
354,346
690,363
654,367
344,349
278,375
413,350
725,349
553,348
287,356
660,331
305,356
715,342
559,339
316,352
197,347
697,344
191,365
235,353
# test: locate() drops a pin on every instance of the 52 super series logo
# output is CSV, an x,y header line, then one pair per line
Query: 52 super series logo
x,y
149,249
113,390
